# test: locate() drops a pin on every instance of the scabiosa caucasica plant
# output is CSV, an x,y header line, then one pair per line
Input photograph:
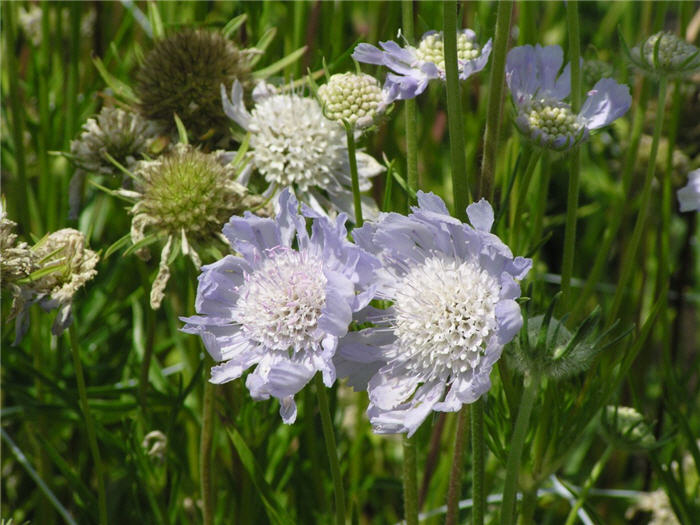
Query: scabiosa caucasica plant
x,y
182,74
689,195
353,98
538,92
453,288
284,303
665,54
63,265
184,197
123,135
292,144
414,67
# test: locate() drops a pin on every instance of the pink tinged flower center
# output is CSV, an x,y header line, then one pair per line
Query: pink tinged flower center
x,y
445,316
431,49
280,303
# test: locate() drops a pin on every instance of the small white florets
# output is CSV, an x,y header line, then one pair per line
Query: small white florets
x,y
673,51
352,98
445,316
280,303
431,49
555,119
293,143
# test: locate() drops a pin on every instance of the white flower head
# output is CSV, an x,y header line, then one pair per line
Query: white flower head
x,y
292,144
353,98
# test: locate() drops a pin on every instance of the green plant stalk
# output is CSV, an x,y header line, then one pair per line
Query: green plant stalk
x,y
16,109
352,159
528,506
329,437
592,478
567,266
631,254
495,98
148,352
73,75
410,481
410,108
46,188
205,448
541,205
522,196
478,460
460,186
455,485
517,442
623,202
89,424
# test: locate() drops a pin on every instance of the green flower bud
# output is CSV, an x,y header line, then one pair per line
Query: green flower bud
x,y
625,428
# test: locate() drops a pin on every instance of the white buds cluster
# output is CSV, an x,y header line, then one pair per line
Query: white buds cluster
x,y
666,54
353,98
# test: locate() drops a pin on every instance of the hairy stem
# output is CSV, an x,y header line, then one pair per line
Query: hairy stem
x,y
478,458
205,448
453,493
410,481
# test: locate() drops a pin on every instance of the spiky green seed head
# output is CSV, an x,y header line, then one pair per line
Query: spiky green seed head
x,y
189,190
123,135
594,70
626,428
182,75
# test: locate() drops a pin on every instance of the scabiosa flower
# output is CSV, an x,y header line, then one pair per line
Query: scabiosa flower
x,y
292,144
181,75
538,94
689,195
64,265
352,98
279,307
184,196
665,54
414,67
453,288
16,258
123,135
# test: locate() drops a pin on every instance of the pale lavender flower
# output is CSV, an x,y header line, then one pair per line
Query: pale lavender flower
x,y
292,144
280,307
453,288
414,67
689,195
538,92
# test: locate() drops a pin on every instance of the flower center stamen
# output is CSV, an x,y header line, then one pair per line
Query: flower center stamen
x,y
431,49
445,316
281,302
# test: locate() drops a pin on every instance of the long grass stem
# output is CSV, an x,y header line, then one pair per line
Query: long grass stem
x,y
460,186
478,462
329,437
592,478
454,490
410,109
352,159
89,424
410,481
205,448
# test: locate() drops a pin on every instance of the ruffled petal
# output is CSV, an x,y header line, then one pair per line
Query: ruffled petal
x,y
234,107
481,215
606,102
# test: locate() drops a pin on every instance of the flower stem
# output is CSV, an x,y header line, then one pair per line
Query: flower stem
x,y
410,481
456,471
522,195
496,83
592,478
478,448
630,259
331,448
205,447
460,187
567,266
352,159
147,355
517,442
410,109
89,425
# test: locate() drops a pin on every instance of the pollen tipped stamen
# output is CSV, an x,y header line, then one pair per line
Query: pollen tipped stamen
x,y
431,49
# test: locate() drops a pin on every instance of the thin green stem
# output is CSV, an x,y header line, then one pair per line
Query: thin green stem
x,y
205,448
89,425
522,195
567,266
352,159
478,459
455,486
410,109
46,187
495,99
630,259
329,437
410,481
460,186
528,506
623,202
517,442
147,355
592,478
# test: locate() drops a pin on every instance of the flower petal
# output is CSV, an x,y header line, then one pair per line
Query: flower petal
x,y
606,102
